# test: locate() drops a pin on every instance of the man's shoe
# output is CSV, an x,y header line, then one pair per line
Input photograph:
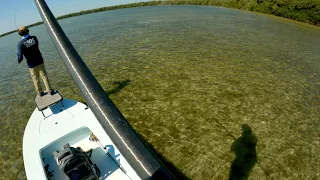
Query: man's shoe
x,y
52,92
41,94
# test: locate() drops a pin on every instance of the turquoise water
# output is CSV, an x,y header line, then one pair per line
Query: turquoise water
x,y
187,78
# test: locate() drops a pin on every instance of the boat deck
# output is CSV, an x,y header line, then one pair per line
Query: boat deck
x,y
71,124
108,167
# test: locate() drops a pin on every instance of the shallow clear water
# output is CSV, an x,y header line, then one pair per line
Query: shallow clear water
x,y
187,78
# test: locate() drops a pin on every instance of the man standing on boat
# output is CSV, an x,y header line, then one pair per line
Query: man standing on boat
x,y
29,48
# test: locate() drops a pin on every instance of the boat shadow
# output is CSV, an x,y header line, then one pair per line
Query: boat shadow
x,y
169,165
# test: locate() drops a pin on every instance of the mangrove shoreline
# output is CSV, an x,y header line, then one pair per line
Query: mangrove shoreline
x,y
307,11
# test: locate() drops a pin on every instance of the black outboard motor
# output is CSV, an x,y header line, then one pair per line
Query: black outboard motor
x,y
76,164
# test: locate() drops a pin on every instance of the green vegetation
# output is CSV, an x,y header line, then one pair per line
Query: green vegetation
x,y
140,4
307,11
31,25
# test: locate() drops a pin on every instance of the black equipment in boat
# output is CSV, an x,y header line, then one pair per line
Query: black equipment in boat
x,y
76,164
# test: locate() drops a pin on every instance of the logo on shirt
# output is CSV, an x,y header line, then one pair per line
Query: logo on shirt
x,y
29,42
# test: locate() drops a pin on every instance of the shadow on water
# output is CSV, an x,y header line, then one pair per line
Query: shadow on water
x,y
120,86
246,157
171,167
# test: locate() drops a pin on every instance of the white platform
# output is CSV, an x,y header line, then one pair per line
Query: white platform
x,y
47,100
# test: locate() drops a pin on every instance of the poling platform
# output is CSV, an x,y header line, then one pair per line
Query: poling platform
x,y
47,100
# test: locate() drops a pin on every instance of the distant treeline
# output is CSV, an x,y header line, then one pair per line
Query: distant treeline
x,y
31,25
140,4
307,11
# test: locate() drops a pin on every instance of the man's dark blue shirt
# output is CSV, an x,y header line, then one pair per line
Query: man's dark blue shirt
x,y
29,48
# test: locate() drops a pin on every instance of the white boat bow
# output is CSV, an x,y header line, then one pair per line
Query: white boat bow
x,y
69,124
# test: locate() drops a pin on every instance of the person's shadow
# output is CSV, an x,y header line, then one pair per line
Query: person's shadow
x,y
246,157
